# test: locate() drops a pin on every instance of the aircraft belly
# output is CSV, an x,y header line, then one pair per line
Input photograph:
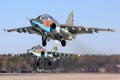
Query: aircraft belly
x,y
61,35
66,34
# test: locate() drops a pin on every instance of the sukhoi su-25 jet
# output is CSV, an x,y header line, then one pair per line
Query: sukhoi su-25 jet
x,y
47,27
44,56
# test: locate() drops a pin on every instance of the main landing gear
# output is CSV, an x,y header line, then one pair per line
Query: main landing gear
x,y
63,43
44,42
37,62
44,62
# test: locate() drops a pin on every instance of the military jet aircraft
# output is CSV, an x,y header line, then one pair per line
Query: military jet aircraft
x,y
47,27
43,56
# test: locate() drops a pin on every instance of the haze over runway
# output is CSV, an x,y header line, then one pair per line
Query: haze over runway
x,y
103,14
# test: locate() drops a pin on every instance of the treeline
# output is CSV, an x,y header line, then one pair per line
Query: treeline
x,y
14,63
83,63
91,63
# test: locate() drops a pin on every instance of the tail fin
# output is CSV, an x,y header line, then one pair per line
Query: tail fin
x,y
70,20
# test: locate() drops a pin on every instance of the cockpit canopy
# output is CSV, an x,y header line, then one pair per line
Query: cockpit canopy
x,y
45,17
37,47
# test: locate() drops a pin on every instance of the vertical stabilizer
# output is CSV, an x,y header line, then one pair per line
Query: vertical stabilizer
x,y
70,20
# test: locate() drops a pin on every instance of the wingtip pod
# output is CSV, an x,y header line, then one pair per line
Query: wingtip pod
x,y
111,30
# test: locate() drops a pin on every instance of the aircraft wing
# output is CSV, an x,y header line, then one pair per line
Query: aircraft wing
x,y
20,30
84,30
59,54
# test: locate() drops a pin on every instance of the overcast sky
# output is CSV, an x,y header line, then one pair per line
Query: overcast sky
x,y
90,13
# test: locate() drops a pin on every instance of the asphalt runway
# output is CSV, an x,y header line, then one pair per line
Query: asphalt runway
x,y
60,76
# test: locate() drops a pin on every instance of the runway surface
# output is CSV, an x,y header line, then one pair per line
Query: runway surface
x,y
60,76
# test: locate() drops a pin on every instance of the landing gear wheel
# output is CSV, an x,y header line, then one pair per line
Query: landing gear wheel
x,y
49,63
44,40
44,43
63,43
38,64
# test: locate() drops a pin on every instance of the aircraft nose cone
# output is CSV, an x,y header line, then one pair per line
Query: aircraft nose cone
x,y
35,20
32,21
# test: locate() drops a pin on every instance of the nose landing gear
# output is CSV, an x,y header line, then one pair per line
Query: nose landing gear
x,y
44,40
